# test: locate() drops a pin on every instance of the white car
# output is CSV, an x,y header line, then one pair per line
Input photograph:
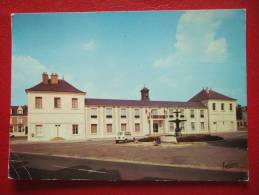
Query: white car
x,y
12,135
124,136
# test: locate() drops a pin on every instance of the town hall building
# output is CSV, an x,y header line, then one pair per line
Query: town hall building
x,y
56,109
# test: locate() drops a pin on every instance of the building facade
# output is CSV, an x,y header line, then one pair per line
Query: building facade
x,y
241,117
19,121
58,109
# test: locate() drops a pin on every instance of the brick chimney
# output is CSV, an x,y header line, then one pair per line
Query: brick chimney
x,y
54,78
45,78
207,89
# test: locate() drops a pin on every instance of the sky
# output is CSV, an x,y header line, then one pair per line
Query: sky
x,y
114,54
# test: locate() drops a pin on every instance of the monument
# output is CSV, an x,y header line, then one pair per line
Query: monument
x,y
177,122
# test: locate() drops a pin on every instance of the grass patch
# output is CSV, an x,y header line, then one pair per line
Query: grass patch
x,y
187,138
198,138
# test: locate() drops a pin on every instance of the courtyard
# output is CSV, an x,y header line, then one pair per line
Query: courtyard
x,y
229,154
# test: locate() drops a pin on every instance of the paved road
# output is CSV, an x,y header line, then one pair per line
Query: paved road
x,y
232,151
27,166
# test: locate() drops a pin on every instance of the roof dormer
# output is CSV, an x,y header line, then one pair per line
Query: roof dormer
x,y
19,110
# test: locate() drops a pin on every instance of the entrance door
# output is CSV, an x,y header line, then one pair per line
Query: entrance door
x,y
214,126
155,127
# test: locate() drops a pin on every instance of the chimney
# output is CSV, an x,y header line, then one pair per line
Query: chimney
x,y
54,78
207,90
145,94
45,78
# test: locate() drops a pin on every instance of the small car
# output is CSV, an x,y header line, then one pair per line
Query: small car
x,y
12,135
124,136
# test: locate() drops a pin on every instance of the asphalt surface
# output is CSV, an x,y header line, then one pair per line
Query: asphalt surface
x,y
27,166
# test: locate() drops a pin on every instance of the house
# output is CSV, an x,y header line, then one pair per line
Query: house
x,y
18,120
241,117
56,109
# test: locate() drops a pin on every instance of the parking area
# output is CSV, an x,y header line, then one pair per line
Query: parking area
x,y
231,151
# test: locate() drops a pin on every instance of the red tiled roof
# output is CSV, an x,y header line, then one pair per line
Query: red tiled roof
x,y
61,86
15,111
139,103
209,94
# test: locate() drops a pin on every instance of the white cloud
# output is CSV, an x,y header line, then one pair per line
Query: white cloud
x,y
26,72
90,45
26,69
196,40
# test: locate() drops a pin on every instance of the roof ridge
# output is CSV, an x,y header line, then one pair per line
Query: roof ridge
x,y
61,86
206,94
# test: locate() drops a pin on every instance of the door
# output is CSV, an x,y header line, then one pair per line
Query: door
x,y
214,126
155,127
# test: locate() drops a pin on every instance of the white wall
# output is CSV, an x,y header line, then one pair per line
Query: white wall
x,y
49,116
221,120
130,120
66,116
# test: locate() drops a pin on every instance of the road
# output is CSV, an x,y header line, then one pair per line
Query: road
x,y
28,166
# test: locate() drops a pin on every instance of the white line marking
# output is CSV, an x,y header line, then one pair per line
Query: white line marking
x,y
86,170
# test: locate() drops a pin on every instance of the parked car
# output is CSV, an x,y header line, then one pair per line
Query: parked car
x,y
124,136
12,135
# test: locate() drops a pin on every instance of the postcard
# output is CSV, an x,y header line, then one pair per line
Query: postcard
x,y
138,95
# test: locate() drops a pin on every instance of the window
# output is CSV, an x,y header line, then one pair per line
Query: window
x,y
137,113
93,128
202,113
171,126
74,103
182,126
19,111
11,128
171,113
38,102
137,127
123,127
222,106
38,130
57,102
93,112
75,129
123,113
20,128
214,106
230,107
109,128
182,113
192,113
19,120
193,126
154,112
202,126
108,112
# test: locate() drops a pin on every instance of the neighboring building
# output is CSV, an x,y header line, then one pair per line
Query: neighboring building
x,y
57,109
19,120
241,117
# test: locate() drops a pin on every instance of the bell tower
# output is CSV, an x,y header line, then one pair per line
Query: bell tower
x,y
144,94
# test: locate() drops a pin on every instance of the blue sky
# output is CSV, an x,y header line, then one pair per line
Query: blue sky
x,y
113,54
